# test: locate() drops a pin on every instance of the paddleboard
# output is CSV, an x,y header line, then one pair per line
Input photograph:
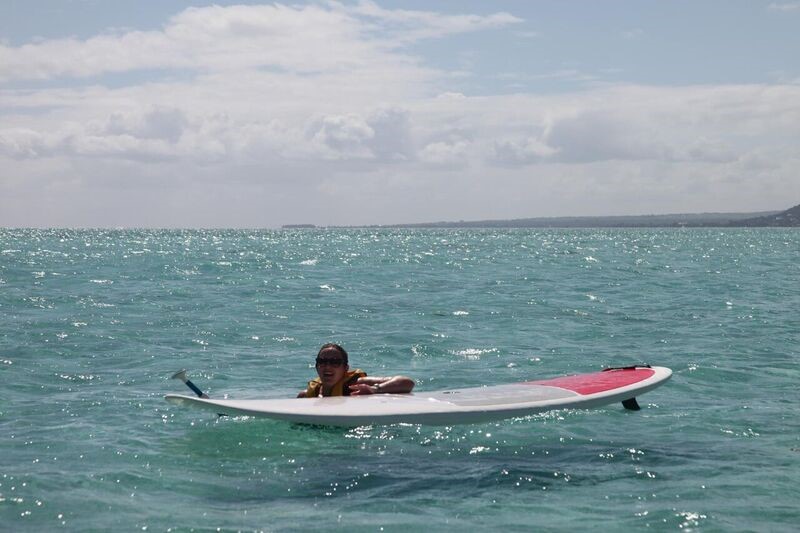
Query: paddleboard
x,y
450,407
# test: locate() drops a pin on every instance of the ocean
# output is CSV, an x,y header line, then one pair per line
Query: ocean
x,y
94,323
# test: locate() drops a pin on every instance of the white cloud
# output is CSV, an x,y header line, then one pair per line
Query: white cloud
x,y
595,135
622,123
20,143
525,151
307,40
632,34
343,135
446,153
409,26
785,6
289,110
124,146
158,123
392,139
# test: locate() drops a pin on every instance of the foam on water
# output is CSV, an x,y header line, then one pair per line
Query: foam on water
x,y
95,322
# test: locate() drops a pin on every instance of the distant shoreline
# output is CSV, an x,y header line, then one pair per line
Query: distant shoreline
x,y
787,218
625,221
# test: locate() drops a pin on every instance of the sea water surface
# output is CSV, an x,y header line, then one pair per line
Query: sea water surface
x,y
95,322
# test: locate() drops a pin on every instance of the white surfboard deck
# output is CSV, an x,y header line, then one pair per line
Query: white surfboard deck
x,y
448,407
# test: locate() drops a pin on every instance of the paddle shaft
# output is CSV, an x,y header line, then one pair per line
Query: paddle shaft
x,y
195,388
181,375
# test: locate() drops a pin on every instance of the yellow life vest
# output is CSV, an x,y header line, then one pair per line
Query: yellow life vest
x,y
341,388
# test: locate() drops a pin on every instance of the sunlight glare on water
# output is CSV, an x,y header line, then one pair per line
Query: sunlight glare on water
x,y
95,322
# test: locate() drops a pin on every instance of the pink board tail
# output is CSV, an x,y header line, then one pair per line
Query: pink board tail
x,y
598,381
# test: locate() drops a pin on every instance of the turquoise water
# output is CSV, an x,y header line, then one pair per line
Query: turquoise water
x,y
95,322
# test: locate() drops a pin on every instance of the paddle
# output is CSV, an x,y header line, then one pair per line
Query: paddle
x,y
181,375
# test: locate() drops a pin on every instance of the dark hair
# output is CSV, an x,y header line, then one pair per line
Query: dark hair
x,y
333,347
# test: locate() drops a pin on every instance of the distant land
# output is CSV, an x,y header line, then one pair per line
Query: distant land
x,y
787,218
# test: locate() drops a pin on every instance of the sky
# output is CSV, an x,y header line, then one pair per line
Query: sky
x,y
254,115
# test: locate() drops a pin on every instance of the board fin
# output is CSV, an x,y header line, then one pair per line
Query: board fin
x,y
631,404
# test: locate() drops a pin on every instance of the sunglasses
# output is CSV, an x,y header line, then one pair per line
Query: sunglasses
x,y
336,363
